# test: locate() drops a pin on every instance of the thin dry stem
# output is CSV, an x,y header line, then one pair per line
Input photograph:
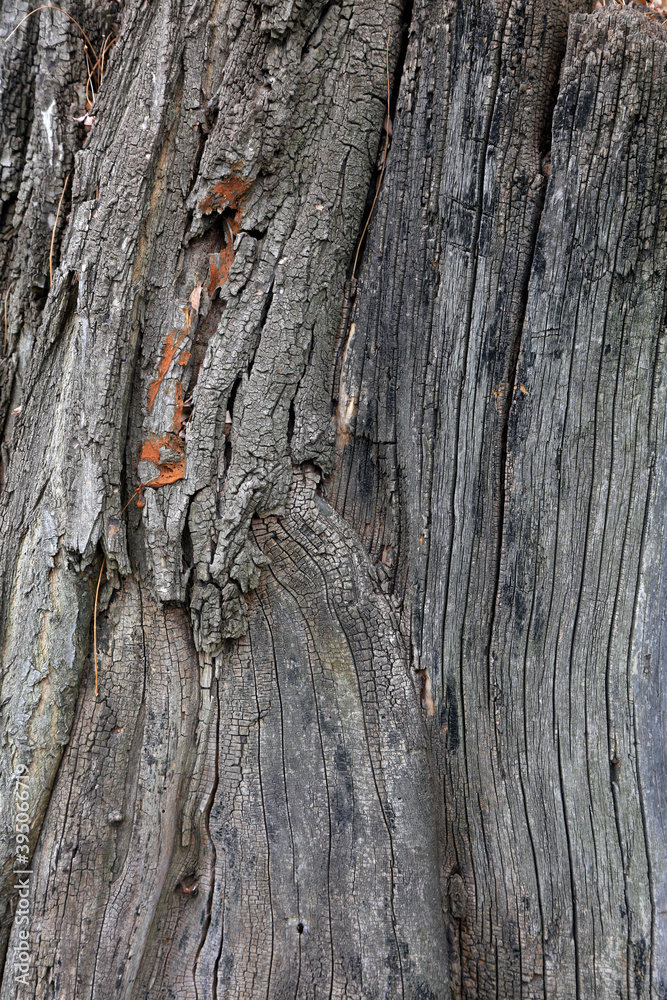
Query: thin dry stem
x,y
139,489
91,69
48,6
105,49
4,345
384,163
99,66
97,592
53,231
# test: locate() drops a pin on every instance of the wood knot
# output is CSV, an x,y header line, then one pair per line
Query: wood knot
x,y
189,886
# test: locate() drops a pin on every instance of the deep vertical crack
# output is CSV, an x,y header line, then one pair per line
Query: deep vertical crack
x,y
207,827
513,361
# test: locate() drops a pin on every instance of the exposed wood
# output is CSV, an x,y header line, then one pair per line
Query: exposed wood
x,y
509,512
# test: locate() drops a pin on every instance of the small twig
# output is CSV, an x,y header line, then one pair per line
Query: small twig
x,y
97,591
350,289
4,346
48,6
91,70
139,489
98,64
105,49
53,231
95,79
384,163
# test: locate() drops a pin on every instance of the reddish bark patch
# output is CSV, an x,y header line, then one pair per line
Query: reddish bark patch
x,y
170,470
171,345
218,268
172,467
228,194
178,408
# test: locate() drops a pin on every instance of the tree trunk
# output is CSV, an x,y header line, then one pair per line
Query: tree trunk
x,y
334,626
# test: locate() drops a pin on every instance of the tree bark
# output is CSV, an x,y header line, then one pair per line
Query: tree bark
x,y
333,657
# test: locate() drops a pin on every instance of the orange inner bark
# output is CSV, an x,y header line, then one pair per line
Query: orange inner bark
x,y
230,193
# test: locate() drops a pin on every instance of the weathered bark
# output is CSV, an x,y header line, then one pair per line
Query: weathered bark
x,y
379,634
517,541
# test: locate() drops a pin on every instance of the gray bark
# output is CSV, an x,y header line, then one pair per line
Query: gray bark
x,y
379,632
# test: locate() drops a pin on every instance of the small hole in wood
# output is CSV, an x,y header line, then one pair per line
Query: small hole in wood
x,y
189,886
299,927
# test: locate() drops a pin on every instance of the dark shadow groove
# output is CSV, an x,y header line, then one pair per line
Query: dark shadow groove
x,y
207,826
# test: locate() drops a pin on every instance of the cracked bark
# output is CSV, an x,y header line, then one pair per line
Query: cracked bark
x,y
380,624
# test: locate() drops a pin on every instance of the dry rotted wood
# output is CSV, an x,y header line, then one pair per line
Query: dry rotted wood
x,y
501,413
